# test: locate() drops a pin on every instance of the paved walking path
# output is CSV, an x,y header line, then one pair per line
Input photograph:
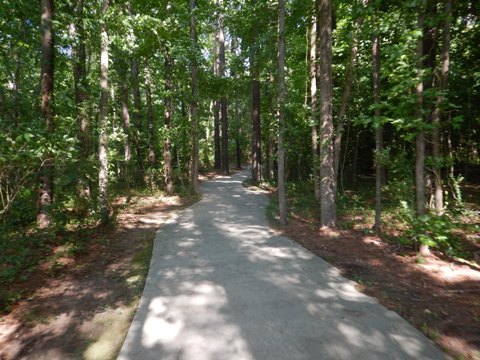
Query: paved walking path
x,y
223,285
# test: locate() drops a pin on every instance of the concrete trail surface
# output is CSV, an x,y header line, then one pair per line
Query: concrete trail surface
x,y
223,285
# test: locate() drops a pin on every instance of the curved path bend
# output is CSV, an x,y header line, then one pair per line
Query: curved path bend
x,y
223,285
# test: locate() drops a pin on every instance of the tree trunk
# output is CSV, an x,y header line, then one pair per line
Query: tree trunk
x,y
238,151
150,119
167,156
313,96
327,173
345,100
256,131
126,121
282,202
193,104
378,134
45,193
81,95
137,119
445,62
217,163
221,69
216,135
103,121
420,138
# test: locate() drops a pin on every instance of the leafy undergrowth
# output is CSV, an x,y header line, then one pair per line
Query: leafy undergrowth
x,y
78,299
439,295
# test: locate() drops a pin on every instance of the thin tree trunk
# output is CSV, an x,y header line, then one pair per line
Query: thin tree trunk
x,y
103,121
45,193
445,61
313,96
327,171
256,125
167,156
150,118
221,58
193,104
420,138
256,131
137,119
282,201
217,163
137,110
238,151
347,88
126,121
216,135
378,134
81,95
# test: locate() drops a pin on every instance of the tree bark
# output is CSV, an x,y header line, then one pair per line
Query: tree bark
x,y
345,101
282,202
256,132
327,172
167,155
126,120
151,156
81,95
137,118
313,102
45,193
256,125
217,163
193,104
378,134
238,150
224,114
216,135
103,121
445,62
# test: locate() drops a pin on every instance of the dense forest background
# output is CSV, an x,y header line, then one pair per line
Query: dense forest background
x,y
370,105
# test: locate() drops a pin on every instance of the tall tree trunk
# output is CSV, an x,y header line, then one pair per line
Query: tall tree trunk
x,y
137,109
256,132
282,201
420,138
217,163
378,134
81,95
45,193
150,118
216,135
167,155
327,172
445,62
256,125
313,96
347,88
238,151
137,118
221,58
193,104
103,121
126,121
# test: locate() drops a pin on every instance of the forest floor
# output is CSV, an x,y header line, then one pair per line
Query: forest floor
x,y
82,306
439,295
79,310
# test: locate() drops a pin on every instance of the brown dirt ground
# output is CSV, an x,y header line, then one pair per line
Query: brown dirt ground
x,y
441,297
78,313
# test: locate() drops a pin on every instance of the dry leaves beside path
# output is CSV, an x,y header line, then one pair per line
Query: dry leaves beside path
x,y
440,297
85,310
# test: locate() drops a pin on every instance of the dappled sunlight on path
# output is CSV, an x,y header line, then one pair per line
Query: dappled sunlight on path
x,y
223,285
